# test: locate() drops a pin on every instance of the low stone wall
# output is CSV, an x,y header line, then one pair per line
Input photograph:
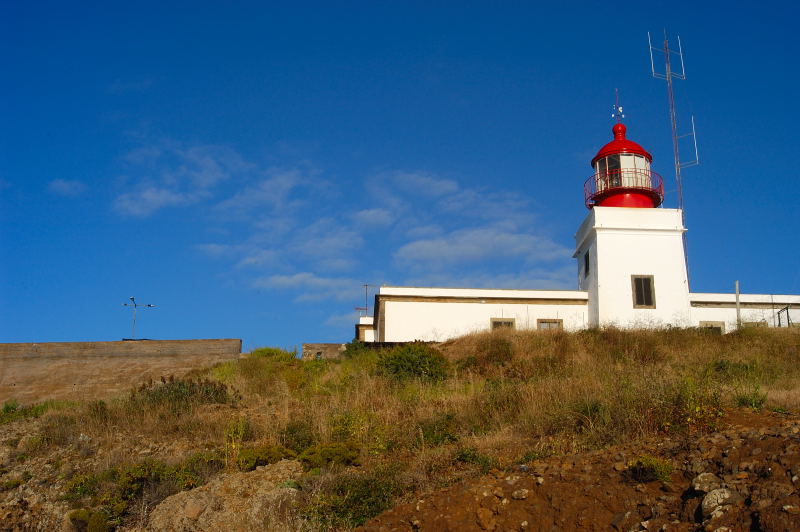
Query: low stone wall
x,y
31,372
322,351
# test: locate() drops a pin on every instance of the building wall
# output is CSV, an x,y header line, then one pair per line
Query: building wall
x,y
637,242
87,370
435,315
755,309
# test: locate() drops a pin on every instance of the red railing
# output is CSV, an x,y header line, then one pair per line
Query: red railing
x,y
604,184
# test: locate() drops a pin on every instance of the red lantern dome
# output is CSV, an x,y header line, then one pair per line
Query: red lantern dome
x,y
622,176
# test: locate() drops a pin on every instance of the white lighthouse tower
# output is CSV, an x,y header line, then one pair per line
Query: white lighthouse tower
x,y
630,252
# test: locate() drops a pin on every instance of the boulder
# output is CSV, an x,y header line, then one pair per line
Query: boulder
x,y
234,501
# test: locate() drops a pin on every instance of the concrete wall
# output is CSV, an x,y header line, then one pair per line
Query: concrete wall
x,y
323,351
31,372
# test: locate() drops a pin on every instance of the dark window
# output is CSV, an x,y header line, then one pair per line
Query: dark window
x,y
498,323
644,295
586,265
547,324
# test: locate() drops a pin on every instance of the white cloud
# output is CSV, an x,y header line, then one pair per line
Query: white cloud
x,y
66,187
169,174
373,218
216,250
149,199
311,287
479,244
273,192
424,183
558,277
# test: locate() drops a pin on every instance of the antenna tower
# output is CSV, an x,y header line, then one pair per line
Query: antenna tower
x,y
668,76
365,308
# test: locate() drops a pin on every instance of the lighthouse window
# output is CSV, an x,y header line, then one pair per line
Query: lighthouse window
x,y
644,295
586,264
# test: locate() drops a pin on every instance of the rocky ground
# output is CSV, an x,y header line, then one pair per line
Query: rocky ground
x,y
744,476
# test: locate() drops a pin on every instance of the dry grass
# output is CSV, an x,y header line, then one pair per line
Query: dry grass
x,y
509,396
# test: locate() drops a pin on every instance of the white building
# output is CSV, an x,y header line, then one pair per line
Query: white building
x,y
631,274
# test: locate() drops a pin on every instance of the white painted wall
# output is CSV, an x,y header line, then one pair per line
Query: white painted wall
x,y
441,320
623,242
726,312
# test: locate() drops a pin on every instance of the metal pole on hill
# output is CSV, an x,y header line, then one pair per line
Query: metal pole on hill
x,y
134,305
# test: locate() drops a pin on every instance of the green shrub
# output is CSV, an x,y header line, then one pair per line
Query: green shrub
x,y
90,520
350,499
646,468
12,410
179,395
297,436
415,360
250,458
356,349
10,484
752,397
341,453
274,353
439,430
470,455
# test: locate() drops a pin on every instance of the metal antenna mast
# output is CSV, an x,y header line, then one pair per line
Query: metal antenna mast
x,y
134,305
668,75
365,308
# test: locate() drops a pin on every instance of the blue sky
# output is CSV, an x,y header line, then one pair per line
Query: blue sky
x,y
248,167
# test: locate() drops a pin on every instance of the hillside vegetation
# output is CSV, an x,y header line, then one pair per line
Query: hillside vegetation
x,y
374,428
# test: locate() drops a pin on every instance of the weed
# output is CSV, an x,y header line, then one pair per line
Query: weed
x,y
90,520
470,455
179,395
439,430
646,468
297,436
237,431
350,499
12,410
10,484
250,458
752,397
340,453
356,349
416,360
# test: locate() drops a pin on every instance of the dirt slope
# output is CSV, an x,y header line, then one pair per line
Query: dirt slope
x,y
742,477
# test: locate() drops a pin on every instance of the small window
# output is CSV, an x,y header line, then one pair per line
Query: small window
x,y
503,323
644,293
716,326
318,356
549,325
586,265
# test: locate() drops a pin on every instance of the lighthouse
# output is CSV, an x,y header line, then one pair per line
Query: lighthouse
x,y
630,252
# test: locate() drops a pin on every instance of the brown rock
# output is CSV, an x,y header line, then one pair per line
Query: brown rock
x,y
520,494
234,501
486,519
